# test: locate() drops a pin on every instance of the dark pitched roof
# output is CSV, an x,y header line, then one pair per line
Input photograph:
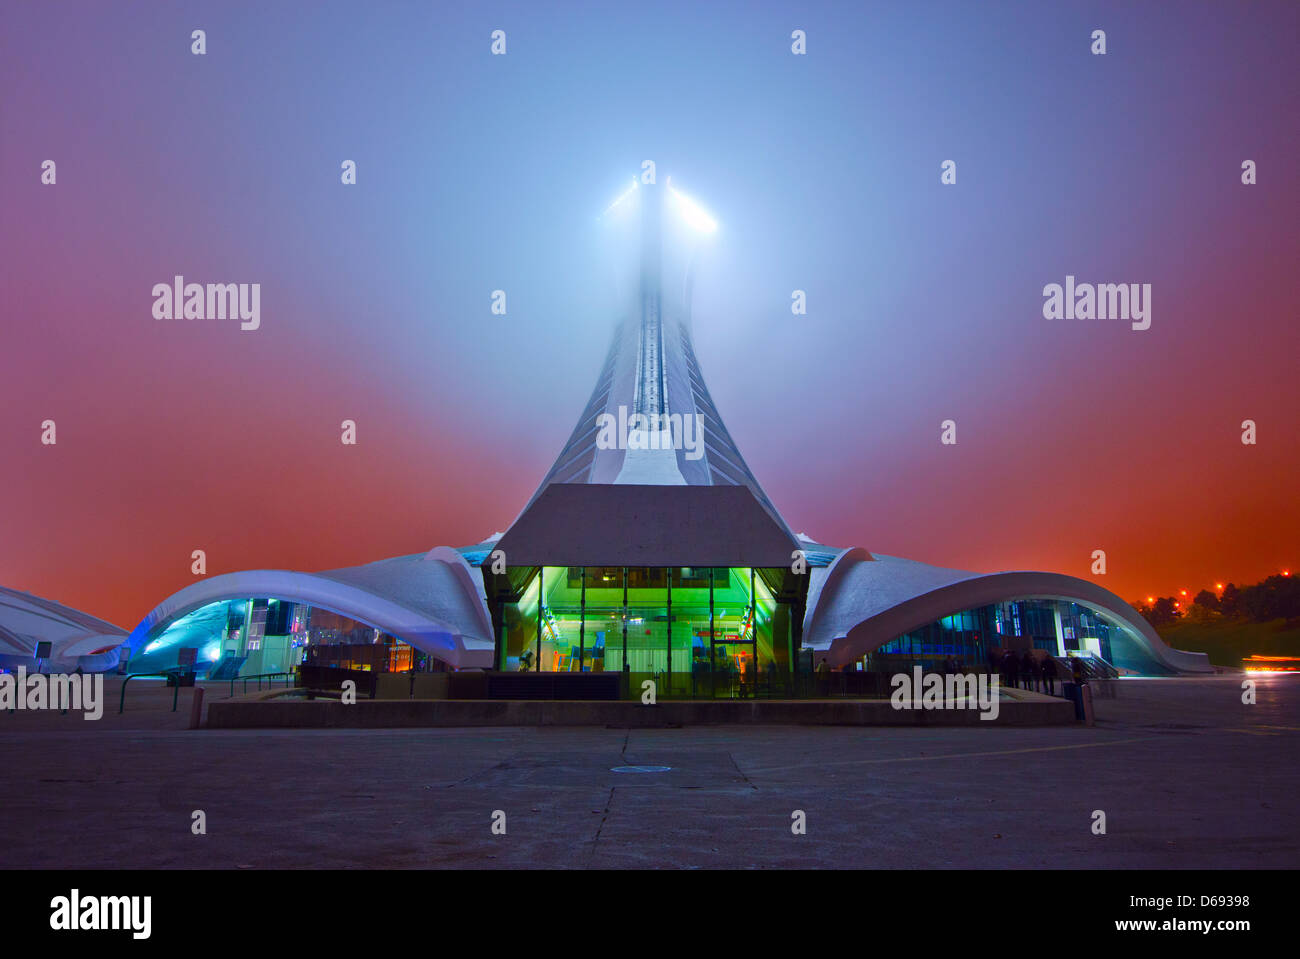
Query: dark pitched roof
x,y
583,524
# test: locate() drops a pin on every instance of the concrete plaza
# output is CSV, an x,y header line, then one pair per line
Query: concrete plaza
x,y
1186,775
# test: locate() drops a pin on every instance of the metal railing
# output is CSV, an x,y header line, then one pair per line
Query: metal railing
x,y
289,677
176,690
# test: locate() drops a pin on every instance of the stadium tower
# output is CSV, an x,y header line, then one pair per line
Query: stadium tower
x,y
650,479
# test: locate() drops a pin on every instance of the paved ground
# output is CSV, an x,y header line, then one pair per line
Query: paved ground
x,y
1186,775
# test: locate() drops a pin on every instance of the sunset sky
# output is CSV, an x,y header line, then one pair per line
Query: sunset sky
x,y
478,172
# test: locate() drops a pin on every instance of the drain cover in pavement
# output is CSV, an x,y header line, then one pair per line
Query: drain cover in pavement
x,y
640,769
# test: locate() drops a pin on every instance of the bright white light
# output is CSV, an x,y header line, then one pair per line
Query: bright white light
x,y
214,652
621,197
693,213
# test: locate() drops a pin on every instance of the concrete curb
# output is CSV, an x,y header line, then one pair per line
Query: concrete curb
x,y
381,714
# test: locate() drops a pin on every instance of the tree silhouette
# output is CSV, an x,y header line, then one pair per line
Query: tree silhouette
x,y
1162,613
1207,600
1230,601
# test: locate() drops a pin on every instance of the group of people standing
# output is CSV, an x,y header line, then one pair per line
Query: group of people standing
x,y
1024,671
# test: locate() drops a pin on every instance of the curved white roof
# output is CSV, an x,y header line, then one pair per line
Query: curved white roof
x,y
858,604
26,620
429,600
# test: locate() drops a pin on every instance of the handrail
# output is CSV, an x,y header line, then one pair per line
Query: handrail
x,y
259,677
176,690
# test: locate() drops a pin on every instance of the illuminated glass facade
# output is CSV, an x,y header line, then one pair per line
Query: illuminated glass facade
x,y
1059,627
695,631
256,636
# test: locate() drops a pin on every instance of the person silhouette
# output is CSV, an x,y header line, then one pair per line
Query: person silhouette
x,y
1027,670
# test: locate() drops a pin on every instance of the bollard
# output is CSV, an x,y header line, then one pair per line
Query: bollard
x,y
1086,693
196,707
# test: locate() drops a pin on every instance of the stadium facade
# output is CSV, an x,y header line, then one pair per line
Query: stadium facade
x,y
649,550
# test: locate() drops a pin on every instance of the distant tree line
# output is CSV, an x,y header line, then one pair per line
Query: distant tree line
x,y
1276,597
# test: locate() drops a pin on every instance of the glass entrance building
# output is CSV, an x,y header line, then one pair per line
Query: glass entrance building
x,y
693,630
